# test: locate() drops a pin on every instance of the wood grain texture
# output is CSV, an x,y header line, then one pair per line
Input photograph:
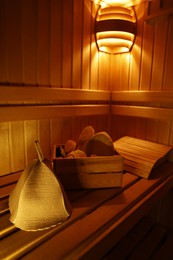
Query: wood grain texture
x,y
56,42
15,113
51,44
142,111
29,46
45,94
157,97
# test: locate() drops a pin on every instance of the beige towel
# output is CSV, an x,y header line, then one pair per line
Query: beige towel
x,y
38,201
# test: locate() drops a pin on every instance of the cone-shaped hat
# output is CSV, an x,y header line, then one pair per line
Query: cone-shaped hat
x,y
38,201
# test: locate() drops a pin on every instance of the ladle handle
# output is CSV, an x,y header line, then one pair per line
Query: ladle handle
x,y
39,151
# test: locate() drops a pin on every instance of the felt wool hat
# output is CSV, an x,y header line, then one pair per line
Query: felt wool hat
x,y
38,201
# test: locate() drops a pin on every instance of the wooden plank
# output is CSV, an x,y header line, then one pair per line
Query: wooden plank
x,y
67,43
5,149
43,42
45,137
89,172
125,61
141,111
31,133
152,129
94,52
164,132
168,57
29,40
135,60
104,65
55,133
114,78
5,227
4,191
13,42
145,249
142,96
159,54
18,113
118,229
10,178
82,206
11,94
165,251
131,240
77,44
146,59
3,205
56,42
86,49
16,139
90,242
3,45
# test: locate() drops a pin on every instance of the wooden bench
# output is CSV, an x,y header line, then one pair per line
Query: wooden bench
x,y
100,220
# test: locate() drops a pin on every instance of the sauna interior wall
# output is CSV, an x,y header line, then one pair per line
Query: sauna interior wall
x,y
50,43
47,43
147,68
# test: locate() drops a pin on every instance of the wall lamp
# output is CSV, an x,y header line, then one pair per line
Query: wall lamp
x,y
115,27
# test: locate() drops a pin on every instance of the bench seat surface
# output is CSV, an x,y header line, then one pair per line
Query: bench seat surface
x,y
100,219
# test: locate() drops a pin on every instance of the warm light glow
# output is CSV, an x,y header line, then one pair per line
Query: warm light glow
x,y
114,49
115,34
115,27
105,3
114,45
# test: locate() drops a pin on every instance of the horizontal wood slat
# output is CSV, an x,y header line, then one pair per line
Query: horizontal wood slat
x,y
142,96
14,94
41,94
140,111
106,223
30,240
17,113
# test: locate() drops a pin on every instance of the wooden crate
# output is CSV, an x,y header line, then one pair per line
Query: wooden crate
x,y
89,172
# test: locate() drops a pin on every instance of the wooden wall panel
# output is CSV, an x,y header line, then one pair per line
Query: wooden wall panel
x,y
125,71
29,41
115,75
67,43
43,42
104,67
13,41
16,143
45,137
5,149
86,45
31,133
52,43
94,52
77,44
3,63
135,61
147,55
159,54
168,76
152,129
56,32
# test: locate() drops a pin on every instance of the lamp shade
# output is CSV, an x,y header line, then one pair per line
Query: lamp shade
x,y
115,28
